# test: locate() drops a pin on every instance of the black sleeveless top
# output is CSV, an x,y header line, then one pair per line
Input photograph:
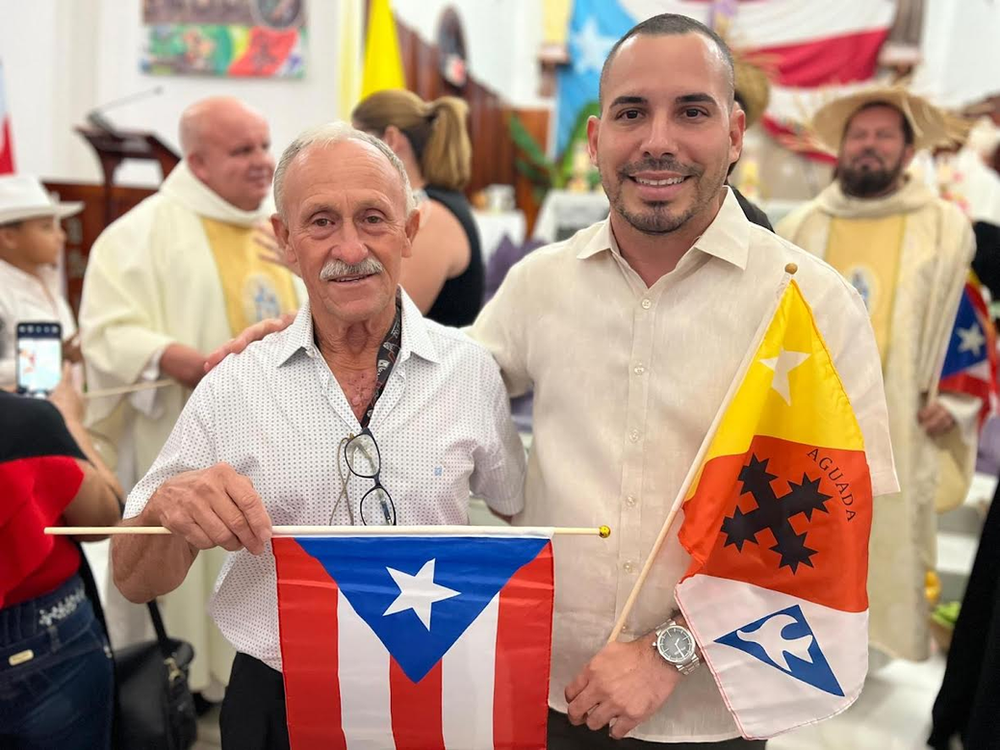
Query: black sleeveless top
x,y
460,298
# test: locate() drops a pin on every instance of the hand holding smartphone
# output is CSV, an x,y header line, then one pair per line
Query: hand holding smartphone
x,y
39,357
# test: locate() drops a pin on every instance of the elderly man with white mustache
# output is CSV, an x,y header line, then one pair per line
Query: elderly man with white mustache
x,y
276,435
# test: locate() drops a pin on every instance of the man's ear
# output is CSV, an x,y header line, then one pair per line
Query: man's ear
x,y
411,228
7,241
908,153
281,235
392,138
196,163
593,130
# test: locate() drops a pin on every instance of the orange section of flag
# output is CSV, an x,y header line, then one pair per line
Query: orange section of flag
x,y
783,497
785,516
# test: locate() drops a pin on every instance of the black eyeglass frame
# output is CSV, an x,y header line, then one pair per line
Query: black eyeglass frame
x,y
388,512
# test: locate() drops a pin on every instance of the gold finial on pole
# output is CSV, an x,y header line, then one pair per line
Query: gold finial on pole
x,y
604,532
791,268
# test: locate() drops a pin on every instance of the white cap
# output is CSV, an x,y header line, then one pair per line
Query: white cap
x,y
23,197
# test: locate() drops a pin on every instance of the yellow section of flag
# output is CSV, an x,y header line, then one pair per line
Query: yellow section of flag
x,y
383,64
791,390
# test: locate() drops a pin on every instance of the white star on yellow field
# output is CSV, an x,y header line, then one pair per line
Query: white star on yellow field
x,y
783,364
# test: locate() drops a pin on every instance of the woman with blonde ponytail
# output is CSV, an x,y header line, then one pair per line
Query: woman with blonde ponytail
x,y
444,275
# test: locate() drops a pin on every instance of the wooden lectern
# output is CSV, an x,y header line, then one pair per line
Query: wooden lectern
x,y
115,146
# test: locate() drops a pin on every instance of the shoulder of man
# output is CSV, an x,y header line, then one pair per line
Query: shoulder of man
x,y
793,220
131,228
824,287
456,346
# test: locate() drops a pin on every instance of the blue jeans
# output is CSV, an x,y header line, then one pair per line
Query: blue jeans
x,y
56,678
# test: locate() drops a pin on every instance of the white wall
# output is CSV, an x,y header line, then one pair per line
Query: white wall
x,y
961,57
63,57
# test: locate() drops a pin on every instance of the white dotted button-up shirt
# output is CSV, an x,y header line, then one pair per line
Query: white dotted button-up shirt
x,y
627,380
276,414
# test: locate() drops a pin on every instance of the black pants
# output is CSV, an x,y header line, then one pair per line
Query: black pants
x,y
565,736
253,713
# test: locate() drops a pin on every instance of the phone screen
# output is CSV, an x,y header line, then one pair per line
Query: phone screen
x,y
39,358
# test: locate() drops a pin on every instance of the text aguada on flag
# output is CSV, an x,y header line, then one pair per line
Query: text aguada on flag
x,y
437,641
777,523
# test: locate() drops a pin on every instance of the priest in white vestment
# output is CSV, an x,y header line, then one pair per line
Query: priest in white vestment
x,y
165,284
907,252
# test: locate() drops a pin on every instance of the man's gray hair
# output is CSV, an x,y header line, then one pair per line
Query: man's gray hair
x,y
329,134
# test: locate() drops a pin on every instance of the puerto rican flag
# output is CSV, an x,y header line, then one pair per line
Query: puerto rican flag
x,y
6,145
970,366
418,642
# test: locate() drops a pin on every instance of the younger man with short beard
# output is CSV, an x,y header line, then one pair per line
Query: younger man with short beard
x,y
907,252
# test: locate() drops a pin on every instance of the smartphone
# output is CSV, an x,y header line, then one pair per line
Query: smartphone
x,y
39,358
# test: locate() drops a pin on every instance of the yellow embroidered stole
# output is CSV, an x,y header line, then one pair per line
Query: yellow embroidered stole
x,y
866,252
253,288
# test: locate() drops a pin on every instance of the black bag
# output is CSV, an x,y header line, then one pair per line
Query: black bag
x,y
155,706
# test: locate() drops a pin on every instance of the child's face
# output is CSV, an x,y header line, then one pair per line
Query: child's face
x,y
35,241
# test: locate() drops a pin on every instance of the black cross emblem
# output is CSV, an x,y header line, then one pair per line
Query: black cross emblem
x,y
774,512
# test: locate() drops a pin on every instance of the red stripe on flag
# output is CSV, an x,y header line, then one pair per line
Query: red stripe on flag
x,y
836,59
7,151
416,709
523,656
307,616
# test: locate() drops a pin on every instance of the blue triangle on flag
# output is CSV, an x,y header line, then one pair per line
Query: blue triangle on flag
x,y
784,640
474,569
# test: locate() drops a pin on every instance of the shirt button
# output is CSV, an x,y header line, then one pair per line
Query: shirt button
x,y
639,369
628,567
634,436
646,304
630,501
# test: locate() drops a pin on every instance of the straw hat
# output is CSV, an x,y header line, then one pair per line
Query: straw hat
x,y
23,197
928,122
753,89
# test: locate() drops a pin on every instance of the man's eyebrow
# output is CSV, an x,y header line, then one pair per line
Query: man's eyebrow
x,y
628,100
698,98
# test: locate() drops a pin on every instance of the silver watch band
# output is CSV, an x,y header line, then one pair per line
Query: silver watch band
x,y
691,664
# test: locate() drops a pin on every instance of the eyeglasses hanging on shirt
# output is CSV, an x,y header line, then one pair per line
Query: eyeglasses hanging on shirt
x,y
364,460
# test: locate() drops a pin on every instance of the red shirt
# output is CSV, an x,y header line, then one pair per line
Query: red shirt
x,y
39,476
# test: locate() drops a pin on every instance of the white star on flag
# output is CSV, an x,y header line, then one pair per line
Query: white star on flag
x,y
418,593
592,47
972,339
783,364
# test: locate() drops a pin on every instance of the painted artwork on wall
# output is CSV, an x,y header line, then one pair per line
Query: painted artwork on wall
x,y
236,38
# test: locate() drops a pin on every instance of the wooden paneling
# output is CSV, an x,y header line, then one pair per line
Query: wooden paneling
x,y
493,151
83,229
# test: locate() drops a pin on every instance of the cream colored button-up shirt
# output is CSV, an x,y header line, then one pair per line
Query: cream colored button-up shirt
x,y
627,380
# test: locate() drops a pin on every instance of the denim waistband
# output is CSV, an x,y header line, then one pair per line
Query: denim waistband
x,y
28,618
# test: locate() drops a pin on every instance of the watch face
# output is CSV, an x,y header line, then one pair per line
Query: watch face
x,y
675,644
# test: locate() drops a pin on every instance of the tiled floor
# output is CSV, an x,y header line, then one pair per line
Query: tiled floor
x,y
893,713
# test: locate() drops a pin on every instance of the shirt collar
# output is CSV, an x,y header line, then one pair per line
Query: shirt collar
x,y
299,335
727,237
47,275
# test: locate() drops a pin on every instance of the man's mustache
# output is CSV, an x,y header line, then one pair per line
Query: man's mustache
x,y
338,269
658,165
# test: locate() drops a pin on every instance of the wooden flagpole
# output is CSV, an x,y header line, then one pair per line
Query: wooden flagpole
x,y
790,270
121,390
602,531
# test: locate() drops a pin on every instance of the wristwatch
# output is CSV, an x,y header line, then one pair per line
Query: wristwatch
x,y
676,645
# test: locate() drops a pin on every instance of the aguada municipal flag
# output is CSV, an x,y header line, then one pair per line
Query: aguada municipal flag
x,y
415,641
777,524
970,366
